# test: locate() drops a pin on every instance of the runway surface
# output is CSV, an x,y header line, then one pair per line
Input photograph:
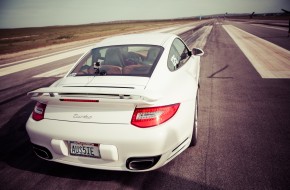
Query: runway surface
x,y
243,124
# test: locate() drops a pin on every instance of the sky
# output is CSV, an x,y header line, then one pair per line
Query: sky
x,y
34,13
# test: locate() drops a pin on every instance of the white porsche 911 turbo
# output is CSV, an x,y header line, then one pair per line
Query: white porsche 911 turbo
x,y
130,104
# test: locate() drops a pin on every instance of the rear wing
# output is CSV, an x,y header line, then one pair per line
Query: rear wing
x,y
97,94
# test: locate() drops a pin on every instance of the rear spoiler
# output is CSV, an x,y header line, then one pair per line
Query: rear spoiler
x,y
111,95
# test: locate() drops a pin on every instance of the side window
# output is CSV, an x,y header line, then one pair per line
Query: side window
x,y
178,55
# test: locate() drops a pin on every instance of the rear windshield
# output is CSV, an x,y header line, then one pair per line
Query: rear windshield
x,y
128,60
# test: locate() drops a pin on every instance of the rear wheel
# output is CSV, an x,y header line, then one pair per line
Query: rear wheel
x,y
194,130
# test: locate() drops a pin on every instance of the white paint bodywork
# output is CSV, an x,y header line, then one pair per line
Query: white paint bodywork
x,y
108,122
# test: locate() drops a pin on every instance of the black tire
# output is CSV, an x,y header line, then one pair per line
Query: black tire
x,y
194,130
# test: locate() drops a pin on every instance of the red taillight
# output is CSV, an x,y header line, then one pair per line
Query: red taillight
x,y
149,117
38,112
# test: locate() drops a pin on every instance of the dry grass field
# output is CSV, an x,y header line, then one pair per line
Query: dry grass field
x,y
16,40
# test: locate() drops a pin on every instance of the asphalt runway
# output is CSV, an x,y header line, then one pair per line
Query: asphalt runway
x,y
243,127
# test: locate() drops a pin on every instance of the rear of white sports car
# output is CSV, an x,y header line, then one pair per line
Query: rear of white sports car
x,y
128,112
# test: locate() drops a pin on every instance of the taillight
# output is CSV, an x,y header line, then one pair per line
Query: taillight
x,y
150,117
38,112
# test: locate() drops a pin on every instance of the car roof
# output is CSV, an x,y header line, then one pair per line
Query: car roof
x,y
143,38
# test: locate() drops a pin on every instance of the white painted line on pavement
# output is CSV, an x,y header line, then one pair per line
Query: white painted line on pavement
x,y
181,30
59,72
46,55
270,60
39,62
272,27
164,30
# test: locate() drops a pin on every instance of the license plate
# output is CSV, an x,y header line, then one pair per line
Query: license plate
x,y
84,149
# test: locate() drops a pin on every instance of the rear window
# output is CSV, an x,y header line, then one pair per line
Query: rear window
x,y
128,60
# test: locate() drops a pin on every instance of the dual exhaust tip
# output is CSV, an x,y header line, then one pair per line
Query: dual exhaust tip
x,y
141,163
134,163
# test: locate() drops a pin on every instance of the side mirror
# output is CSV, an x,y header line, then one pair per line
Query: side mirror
x,y
183,56
197,52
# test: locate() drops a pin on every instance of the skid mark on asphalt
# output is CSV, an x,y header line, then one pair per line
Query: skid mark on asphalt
x,y
202,39
270,60
219,71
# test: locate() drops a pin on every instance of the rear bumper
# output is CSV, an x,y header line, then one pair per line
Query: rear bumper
x,y
118,143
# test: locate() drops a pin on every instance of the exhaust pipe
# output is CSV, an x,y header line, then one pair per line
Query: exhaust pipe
x,y
42,152
142,163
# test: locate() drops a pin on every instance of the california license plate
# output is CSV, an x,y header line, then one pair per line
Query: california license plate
x,y
84,149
